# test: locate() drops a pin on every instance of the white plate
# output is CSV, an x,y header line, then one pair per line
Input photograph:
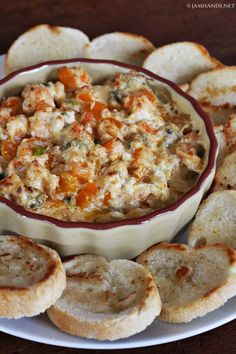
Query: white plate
x,y
41,330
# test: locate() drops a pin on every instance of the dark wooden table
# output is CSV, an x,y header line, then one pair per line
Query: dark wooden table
x,y
162,21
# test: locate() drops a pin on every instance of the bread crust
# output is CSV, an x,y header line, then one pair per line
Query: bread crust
x,y
122,46
181,62
17,302
215,220
204,303
120,324
225,178
65,49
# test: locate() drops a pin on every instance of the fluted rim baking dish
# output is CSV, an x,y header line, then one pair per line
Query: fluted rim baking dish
x,y
132,221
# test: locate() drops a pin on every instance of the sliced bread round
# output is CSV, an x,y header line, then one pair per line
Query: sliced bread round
x,y
222,144
180,62
105,300
215,91
225,177
32,277
230,132
215,220
191,282
125,47
43,43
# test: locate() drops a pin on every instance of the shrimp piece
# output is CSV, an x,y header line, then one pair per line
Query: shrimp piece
x,y
114,148
142,164
77,133
39,177
35,97
12,188
5,114
188,150
84,170
32,149
9,149
46,124
14,104
110,128
57,91
141,107
17,127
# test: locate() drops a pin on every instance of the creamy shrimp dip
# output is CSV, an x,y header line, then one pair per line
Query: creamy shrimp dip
x,y
82,152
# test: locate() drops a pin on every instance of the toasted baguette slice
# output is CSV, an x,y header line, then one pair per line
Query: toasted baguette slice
x,y
191,282
105,300
230,132
43,43
225,177
32,277
180,62
216,93
215,221
125,47
223,147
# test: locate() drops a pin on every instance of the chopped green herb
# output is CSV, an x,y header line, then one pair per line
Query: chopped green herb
x,y
71,102
145,139
39,198
38,201
2,176
39,151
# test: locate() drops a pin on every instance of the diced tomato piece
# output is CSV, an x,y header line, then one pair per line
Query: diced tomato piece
x,y
81,171
150,95
76,128
87,118
84,77
67,77
108,145
106,199
84,196
82,199
9,149
137,153
67,183
117,123
84,96
128,102
136,99
72,77
95,109
90,188
147,128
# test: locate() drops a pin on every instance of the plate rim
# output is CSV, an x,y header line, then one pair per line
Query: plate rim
x,y
120,344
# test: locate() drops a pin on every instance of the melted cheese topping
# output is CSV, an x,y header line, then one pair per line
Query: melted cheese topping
x,y
82,152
